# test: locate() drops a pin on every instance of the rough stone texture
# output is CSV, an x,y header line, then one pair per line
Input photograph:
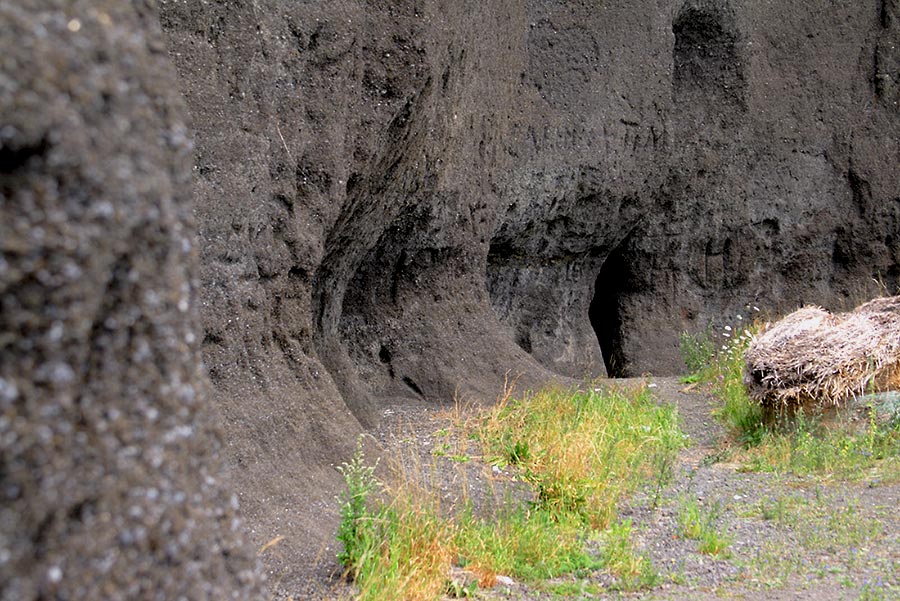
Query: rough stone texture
x,y
110,477
344,230
410,199
714,154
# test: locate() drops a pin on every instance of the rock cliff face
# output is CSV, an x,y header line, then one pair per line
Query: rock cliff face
x,y
111,481
410,199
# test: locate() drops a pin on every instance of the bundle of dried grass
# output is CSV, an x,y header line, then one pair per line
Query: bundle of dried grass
x,y
812,357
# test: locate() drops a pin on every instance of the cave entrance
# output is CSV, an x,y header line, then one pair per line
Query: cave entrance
x,y
606,311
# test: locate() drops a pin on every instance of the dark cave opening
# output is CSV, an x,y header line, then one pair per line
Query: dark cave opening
x,y
606,312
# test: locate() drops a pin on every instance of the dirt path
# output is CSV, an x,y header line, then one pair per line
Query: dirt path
x,y
791,538
787,538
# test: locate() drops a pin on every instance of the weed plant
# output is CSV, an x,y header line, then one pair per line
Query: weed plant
x,y
393,550
697,351
700,524
723,370
355,526
620,557
583,453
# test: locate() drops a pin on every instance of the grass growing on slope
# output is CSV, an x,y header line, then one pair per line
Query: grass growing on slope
x,y
583,452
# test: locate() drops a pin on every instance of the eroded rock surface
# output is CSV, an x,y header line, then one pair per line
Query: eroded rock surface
x,y
411,199
111,481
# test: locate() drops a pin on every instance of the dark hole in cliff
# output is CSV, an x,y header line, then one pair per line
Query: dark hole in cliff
x,y
13,157
606,311
384,355
412,385
705,56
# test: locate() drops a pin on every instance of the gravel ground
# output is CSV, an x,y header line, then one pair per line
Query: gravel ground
x,y
788,538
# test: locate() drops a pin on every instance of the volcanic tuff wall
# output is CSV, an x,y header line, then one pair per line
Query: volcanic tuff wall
x,y
411,198
111,483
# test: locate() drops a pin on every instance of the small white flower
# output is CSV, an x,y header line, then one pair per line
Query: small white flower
x,y
755,308
726,334
739,317
727,328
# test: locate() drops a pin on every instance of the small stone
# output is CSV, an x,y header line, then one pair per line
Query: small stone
x,y
8,391
54,574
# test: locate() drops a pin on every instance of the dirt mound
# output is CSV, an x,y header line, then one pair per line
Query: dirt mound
x,y
814,357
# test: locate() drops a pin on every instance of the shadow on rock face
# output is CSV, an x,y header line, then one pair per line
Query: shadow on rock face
x,y
708,67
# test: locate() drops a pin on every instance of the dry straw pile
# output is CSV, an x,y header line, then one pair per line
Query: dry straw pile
x,y
815,357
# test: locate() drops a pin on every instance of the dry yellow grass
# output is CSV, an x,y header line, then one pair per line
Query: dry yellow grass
x,y
414,556
583,451
815,357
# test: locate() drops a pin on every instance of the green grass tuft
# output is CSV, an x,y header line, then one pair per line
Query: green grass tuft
x,y
355,526
700,524
697,351
582,452
633,570
529,545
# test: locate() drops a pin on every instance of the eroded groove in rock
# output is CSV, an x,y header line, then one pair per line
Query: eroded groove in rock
x,y
707,65
886,59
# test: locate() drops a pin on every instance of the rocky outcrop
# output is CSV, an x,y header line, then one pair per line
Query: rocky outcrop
x,y
411,199
715,155
344,228
111,479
